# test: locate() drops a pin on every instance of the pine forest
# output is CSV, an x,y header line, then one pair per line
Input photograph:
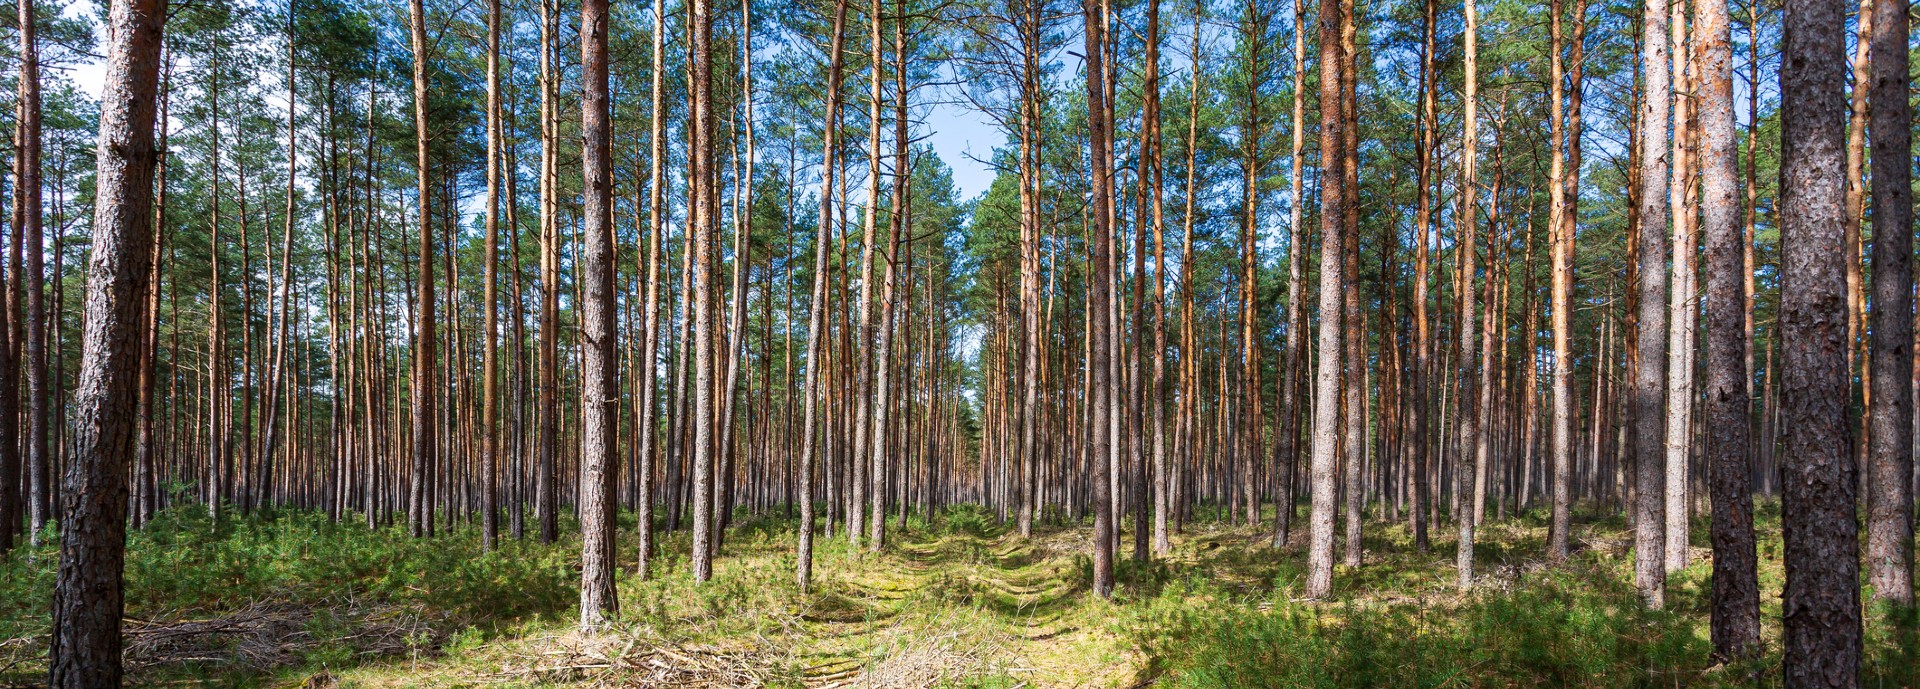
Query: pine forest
x,y
958,343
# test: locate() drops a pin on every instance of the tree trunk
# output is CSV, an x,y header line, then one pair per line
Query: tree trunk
x,y
88,602
817,304
1821,603
490,364
39,460
545,493
600,403
1423,459
1890,428
424,390
1736,588
1100,132
1561,230
703,189
1650,374
1465,467
1682,309
1326,388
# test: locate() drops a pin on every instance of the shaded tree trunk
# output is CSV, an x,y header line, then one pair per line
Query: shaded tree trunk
x,y
1821,603
1890,427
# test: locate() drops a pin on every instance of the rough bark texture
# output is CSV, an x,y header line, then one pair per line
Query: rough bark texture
x,y
88,598
1100,137
656,229
1821,603
1890,428
1421,412
39,461
1650,371
425,392
1324,458
599,425
1736,588
1561,229
490,365
1469,426
1682,322
704,224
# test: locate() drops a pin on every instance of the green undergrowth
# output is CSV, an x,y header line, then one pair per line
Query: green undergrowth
x,y
958,600
1399,622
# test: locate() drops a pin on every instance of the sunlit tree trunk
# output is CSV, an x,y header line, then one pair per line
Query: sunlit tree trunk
x,y
1326,388
1650,362
84,651
1464,468
425,338
1736,589
703,190
1100,132
1423,459
1560,229
817,304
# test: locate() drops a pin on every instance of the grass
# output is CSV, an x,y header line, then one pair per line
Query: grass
x,y
288,599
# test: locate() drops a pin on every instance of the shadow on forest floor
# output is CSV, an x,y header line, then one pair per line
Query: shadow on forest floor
x,y
961,600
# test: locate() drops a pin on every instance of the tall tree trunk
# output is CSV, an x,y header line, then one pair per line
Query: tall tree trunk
x,y
1156,395
1355,349
489,358
1649,369
1890,429
424,389
883,351
703,189
1326,388
817,304
1821,603
1100,138
26,195
1469,186
656,230
39,460
84,650
214,479
1857,113
600,393
1736,588
1424,459
1681,307
545,493
1560,227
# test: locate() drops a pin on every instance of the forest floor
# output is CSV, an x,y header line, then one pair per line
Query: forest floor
x,y
289,600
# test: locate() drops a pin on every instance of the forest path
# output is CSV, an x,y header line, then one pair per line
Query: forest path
x,y
970,606
958,604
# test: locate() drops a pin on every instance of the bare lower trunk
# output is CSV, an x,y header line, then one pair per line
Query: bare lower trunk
x,y
84,650
1821,603
1736,589
817,311
600,406
1100,282
1465,468
1890,428
1326,388
1649,381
